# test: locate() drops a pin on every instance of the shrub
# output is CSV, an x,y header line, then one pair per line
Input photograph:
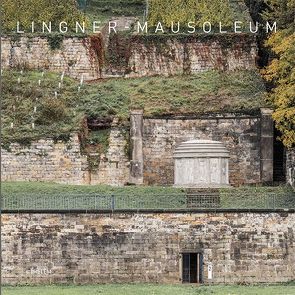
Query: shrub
x,y
198,11
38,11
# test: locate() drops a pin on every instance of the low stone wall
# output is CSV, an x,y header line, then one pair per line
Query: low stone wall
x,y
45,160
291,167
132,247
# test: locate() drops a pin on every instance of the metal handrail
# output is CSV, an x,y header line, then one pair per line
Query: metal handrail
x,y
136,202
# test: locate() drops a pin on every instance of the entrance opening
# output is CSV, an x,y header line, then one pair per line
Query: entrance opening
x,y
279,159
192,267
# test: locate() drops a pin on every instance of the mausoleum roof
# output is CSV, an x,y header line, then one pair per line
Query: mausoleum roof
x,y
201,149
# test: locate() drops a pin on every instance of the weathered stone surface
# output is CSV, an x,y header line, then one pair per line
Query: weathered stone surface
x,y
239,134
291,167
201,163
114,165
190,56
266,143
76,57
64,163
89,248
61,162
136,167
45,160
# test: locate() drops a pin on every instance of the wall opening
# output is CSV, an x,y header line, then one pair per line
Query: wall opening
x,y
279,159
192,267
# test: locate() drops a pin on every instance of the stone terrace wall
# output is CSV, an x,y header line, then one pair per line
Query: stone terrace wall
x,y
241,135
191,55
133,58
73,57
291,167
45,160
60,162
67,248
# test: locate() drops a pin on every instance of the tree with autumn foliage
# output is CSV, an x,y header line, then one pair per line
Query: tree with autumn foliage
x,y
281,69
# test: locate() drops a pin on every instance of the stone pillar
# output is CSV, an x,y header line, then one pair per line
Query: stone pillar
x,y
266,146
290,167
136,167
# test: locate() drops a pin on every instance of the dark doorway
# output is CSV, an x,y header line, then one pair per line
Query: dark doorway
x,y
192,267
279,159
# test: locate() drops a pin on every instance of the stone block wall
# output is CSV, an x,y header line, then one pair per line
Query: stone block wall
x,y
132,247
152,148
45,160
192,55
73,57
240,135
139,57
291,167
113,167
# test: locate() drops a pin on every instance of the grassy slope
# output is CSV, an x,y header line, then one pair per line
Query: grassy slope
x,y
103,10
143,289
53,117
207,92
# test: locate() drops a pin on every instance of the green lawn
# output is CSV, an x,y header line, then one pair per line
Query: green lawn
x,y
38,195
148,289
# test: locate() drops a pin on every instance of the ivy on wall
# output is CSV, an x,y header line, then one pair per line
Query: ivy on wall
x,y
55,41
120,45
95,47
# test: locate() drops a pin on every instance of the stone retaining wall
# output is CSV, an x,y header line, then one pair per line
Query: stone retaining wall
x,y
72,57
45,160
241,136
113,166
191,55
132,247
152,143
77,56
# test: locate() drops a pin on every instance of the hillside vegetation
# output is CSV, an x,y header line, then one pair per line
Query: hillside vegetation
x,y
105,9
197,11
164,11
38,11
31,111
